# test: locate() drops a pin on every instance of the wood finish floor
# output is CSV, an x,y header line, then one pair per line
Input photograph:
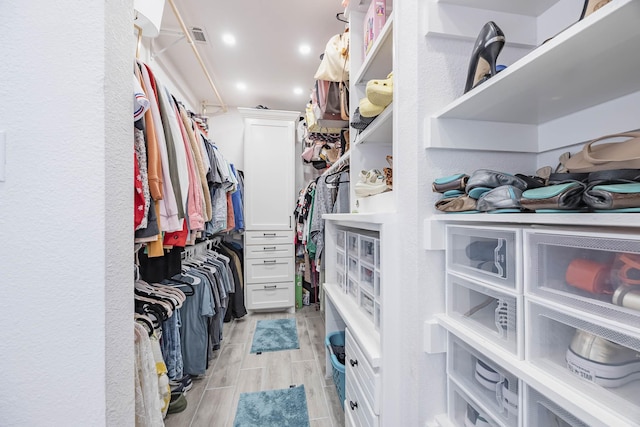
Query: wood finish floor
x,y
213,399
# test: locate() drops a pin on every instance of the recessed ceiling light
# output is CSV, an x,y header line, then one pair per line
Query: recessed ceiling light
x,y
229,39
241,86
304,49
297,91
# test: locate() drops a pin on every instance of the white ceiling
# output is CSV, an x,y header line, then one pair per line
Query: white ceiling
x,y
265,57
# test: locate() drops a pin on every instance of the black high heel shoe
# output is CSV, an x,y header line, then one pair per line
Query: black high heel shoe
x,y
591,6
485,52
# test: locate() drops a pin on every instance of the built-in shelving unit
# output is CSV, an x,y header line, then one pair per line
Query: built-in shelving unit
x,y
556,96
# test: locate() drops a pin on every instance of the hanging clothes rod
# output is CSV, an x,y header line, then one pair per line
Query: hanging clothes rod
x,y
186,32
343,160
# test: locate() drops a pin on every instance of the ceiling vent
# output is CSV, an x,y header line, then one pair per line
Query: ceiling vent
x,y
198,35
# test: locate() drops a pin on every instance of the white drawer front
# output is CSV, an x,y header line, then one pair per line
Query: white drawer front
x,y
269,295
268,237
268,251
261,270
368,379
358,404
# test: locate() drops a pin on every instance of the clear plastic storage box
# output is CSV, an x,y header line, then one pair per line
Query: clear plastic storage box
x,y
601,362
485,253
484,380
542,411
596,273
367,251
464,411
489,312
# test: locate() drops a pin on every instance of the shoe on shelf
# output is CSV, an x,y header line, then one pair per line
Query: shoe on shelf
x,y
601,361
370,183
380,92
184,384
368,109
482,64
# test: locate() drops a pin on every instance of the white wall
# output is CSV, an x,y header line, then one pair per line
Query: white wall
x,y
66,343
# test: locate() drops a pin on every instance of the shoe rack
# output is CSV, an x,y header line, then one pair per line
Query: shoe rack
x,y
520,312
358,247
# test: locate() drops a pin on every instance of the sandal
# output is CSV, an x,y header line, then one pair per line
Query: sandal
x,y
370,183
388,172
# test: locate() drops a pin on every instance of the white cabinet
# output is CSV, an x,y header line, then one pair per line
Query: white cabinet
x,y
269,147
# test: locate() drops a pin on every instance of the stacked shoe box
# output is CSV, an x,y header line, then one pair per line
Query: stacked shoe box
x,y
563,301
360,271
484,294
583,312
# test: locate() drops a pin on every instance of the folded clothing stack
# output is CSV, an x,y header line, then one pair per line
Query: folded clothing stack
x,y
499,192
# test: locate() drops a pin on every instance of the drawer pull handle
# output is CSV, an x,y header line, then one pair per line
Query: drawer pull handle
x,y
269,261
269,248
353,405
269,234
353,362
270,287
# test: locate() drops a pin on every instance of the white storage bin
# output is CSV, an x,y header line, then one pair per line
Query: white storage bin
x,y
352,243
341,237
366,303
376,317
341,279
377,262
602,363
463,410
490,254
486,381
598,273
377,285
341,260
541,411
352,289
489,312
367,250
353,266
367,278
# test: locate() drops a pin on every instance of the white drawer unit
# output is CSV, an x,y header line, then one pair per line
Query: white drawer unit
x,y
596,361
352,243
492,313
366,303
269,295
484,380
341,239
367,279
267,270
489,254
362,372
341,260
269,251
268,237
542,411
362,385
594,272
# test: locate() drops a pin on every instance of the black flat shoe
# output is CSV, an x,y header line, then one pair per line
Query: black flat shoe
x,y
485,52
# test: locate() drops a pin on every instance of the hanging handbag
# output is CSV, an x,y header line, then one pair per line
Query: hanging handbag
x,y
344,100
334,66
332,109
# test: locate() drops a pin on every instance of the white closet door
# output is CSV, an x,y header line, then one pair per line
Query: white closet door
x,y
269,174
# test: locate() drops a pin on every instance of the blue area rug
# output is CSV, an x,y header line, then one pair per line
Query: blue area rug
x,y
273,408
275,335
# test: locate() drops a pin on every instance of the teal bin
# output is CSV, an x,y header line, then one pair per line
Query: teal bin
x,y
337,338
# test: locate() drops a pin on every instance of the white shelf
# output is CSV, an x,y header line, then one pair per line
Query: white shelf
x,y
361,326
380,130
359,220
560,388
378,63
518,7
626,220
592,62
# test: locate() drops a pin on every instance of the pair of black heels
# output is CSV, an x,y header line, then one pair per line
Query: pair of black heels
x,y
490,42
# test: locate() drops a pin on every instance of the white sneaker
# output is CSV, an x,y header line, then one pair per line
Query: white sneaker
x,y
370,183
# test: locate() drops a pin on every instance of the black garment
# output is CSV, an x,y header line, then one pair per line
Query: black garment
x,y
236,307
156,269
